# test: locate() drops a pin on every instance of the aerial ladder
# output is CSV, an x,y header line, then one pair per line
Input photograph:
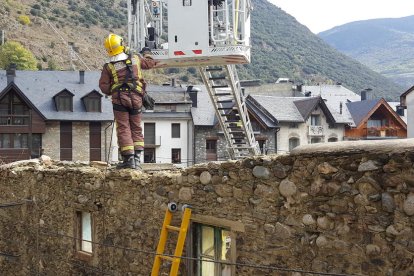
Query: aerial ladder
x,y
213,35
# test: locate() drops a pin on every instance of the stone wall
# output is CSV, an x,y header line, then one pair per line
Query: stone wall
x,y
342,208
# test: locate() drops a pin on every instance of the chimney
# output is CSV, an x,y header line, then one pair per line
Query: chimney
x,y
82,77
192,91
400,110
11,73
366,94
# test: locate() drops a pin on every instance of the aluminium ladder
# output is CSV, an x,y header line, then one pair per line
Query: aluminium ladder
x,y
182,232
223,86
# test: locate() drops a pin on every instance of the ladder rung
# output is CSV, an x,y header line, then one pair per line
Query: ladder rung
x,y
219,86
214,69
231,121
230,114
225,101
217,78
171,259
173,228
225,108
222,94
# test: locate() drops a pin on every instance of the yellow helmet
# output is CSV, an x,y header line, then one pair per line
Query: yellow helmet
x,y
114,44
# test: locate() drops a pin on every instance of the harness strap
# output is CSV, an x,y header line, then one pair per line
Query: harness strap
x,y
134,85
121,108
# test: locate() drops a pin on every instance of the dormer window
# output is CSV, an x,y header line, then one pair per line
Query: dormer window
x,y
64,101
92,101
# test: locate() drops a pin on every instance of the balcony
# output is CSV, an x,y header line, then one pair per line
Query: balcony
x,y
14,120
315,131
381,133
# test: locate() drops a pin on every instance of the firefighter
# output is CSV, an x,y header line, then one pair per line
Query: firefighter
x,y
121,78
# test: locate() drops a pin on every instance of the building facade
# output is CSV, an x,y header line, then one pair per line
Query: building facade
x,y
407,102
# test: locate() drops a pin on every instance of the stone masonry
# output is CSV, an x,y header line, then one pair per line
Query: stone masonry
x,y
340,208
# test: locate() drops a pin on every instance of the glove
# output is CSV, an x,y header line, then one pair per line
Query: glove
x,y
145,51
148,102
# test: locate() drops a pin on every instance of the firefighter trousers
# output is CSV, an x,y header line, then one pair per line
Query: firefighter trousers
x,y
127,112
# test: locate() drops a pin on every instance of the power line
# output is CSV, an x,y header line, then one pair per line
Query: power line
x,y
237,264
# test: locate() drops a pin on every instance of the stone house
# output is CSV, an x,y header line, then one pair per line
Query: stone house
x,y
168,128
373,120
407,102
302,120
209,141
64,115
56,113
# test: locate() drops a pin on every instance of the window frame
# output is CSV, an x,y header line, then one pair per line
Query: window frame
x,y
233,227
175,130
80,253
178,151
291,139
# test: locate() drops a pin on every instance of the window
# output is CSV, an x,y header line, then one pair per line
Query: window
x,y
293,125
13,111
93,104
84,232
316,140
213,244
333,139
211,150
149,133
149,155
36,145
187,3
5,141
175,130
66,141
176,156
374,123
262,146
63,101
15,140
293,143
20,141
95,141
315,120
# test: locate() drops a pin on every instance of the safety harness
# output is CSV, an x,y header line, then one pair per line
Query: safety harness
x,y
136,86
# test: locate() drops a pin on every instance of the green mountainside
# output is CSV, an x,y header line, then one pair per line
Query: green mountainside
x,y
385,45
282,47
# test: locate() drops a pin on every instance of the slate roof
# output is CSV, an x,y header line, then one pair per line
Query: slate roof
x,y
282,108
39,87
360,109
203,114
334,95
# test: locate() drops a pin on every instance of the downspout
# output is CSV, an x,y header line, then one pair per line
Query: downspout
x,y
107,155
277,130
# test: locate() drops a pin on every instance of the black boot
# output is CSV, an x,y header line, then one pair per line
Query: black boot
x,y
137,157
128,162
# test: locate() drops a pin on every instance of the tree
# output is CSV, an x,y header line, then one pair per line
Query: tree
x,y
13,52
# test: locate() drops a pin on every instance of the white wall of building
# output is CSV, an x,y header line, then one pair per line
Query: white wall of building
x,y
185,142
301,131
410,114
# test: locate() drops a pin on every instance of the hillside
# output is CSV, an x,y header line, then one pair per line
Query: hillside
x,y
385,45
281,46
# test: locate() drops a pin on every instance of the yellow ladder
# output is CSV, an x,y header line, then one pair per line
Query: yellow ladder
x,y
175,260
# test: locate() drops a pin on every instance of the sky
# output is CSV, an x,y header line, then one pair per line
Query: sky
x,y
322,15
